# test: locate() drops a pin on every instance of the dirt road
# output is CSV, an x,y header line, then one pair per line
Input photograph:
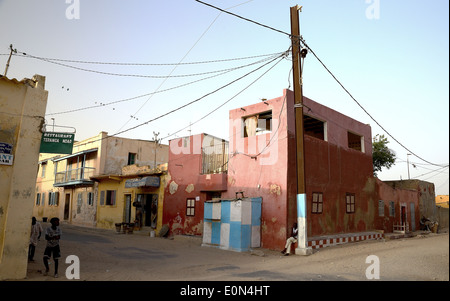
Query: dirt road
x,y
105,255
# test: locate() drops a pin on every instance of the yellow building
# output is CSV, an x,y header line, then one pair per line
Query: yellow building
x,y
65,187
22,111
442,200
134,196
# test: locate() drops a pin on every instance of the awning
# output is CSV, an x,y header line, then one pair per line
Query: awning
x,y
142,182
75,155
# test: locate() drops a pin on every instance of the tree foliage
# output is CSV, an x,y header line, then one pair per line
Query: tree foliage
x,y
382,156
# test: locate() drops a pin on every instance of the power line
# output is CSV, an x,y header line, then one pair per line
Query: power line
x,y
304,43
142,75
248,20
351,96
191,102
155,92
226,101
144,64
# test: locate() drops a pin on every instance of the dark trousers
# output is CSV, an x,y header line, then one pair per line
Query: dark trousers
x,y
31,250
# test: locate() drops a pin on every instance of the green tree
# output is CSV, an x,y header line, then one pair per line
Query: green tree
x,y
382,156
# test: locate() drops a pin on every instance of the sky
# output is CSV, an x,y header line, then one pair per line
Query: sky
x,y
188,64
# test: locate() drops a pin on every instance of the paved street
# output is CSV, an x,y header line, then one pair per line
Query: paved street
x,y
106,255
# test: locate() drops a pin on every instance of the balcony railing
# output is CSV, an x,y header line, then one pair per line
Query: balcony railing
x,y
74,176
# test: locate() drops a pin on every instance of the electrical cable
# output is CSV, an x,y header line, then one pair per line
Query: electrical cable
x,y
141,75
23,54
189,103
152,93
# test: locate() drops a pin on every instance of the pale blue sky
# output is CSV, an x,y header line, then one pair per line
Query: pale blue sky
x,y
396,65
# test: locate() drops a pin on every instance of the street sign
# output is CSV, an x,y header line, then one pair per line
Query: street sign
x,y
6,157
57,143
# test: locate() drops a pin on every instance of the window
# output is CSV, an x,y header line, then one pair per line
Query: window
x,y
90,198
38,199
355,142
317,202
391,209
53,198
190,207
257,124
43,169
350,202
79,202
131,158
314,127
380,208
108,197
43,198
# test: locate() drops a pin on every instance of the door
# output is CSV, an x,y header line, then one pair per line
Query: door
x,y
67,207
413,220
127,208
403,214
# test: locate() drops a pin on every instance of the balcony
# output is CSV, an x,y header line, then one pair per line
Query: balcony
x,y
78,176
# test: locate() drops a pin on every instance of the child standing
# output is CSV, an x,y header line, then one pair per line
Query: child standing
x,y
52,235
36,230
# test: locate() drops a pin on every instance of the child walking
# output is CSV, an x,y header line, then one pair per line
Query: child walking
x,y
52,235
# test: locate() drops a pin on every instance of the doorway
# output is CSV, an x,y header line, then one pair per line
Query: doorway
x,y
67,207
403,219
127,213
148,204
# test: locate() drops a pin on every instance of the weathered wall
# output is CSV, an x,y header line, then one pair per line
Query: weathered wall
x,y
400,197
184,169
117,150
427,195
259,166
22,110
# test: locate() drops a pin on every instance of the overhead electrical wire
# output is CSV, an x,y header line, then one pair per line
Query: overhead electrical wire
x,y
300,38
193,101
248,86
158,91
142,75
23,54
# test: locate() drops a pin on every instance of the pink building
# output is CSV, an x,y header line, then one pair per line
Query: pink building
x,y
260,161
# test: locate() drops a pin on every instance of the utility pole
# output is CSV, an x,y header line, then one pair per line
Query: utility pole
x,y
407,162
297,55
11,50
155,137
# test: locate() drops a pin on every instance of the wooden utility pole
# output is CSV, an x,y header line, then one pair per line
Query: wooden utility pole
x,y
155,139
297,55
11,50
298,97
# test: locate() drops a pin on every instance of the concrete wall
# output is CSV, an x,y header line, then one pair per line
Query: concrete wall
x,y
117,150
427,195
442,214
22,111
184,182
400,197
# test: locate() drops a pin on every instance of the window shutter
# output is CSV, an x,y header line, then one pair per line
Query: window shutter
x,y
102,198
57,198
113,197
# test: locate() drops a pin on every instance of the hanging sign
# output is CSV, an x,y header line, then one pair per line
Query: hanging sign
x,y
6,158
57,143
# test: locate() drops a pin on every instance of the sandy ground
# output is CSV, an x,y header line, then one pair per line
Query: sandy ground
x,y
105,255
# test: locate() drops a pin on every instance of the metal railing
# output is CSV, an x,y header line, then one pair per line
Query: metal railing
x,y
78,174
